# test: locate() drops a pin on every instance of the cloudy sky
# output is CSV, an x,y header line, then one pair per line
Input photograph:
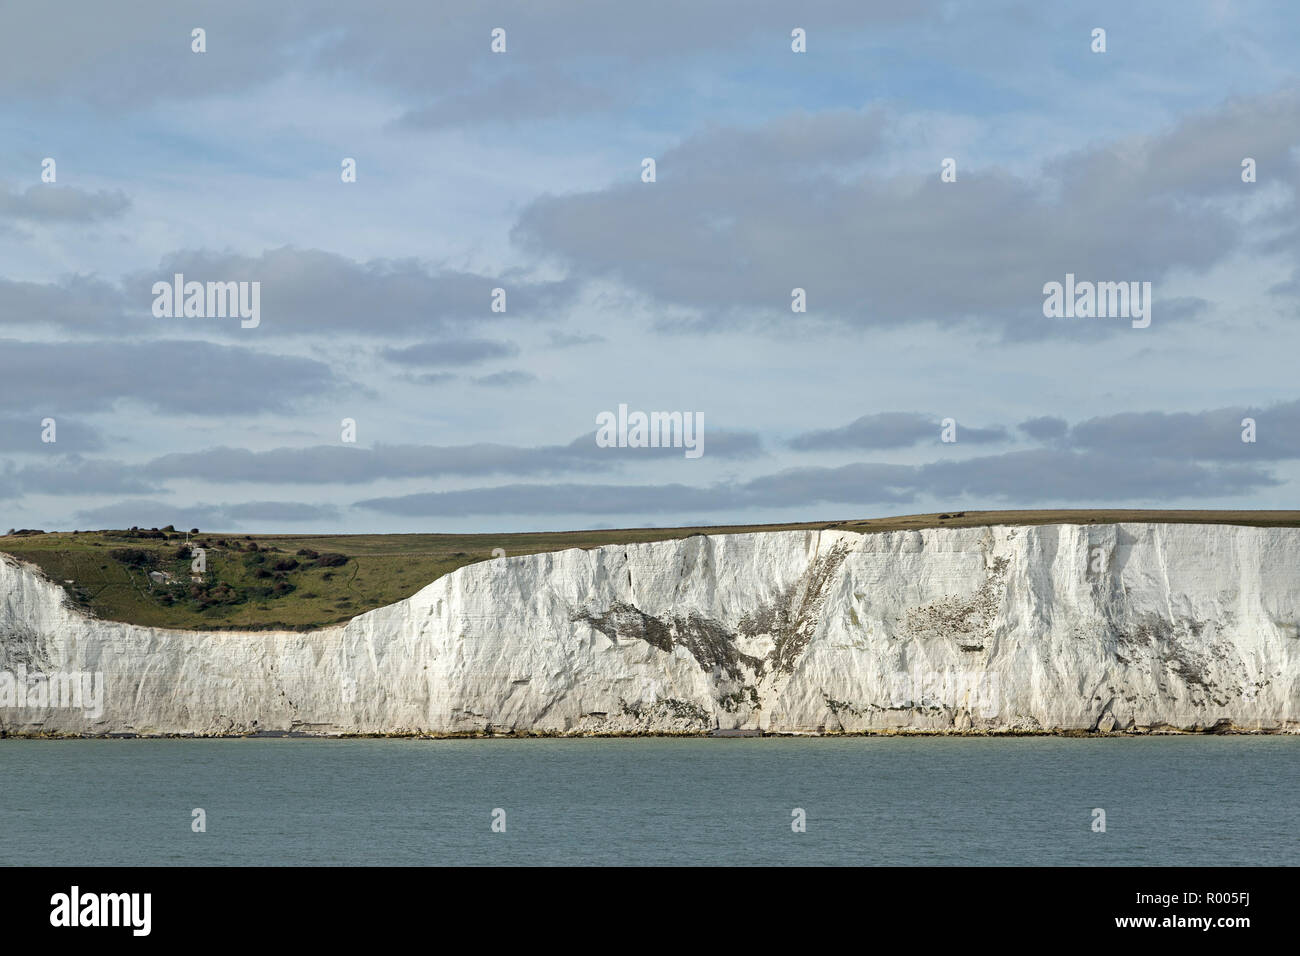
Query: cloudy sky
x,y
523,171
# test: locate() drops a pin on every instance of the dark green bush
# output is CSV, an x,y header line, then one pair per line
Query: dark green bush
x,y
134,557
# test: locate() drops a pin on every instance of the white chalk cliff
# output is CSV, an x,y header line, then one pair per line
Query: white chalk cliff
x,y
1187,627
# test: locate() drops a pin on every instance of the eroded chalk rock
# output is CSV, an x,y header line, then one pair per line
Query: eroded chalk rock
x,y
944,630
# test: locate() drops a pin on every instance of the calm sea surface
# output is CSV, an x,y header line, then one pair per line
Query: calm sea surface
x,y
1173,800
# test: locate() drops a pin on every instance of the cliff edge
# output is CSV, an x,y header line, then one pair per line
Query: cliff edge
x,y
1051,628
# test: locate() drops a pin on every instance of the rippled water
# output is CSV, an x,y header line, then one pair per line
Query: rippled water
x,y
1168,800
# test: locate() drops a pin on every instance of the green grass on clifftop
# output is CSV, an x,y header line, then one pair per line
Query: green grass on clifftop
x,y
299,582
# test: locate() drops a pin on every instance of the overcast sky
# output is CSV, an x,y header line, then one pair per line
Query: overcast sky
x,y
523,171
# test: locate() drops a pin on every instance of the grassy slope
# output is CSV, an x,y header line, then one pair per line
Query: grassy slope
x,y
386,568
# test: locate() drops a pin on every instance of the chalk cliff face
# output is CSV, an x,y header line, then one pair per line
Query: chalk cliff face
x,y
1110,627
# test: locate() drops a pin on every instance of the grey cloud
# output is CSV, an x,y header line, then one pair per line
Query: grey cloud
x,y
1181,308
313,292
432,378
350,464
73,475
722,443
1045,428
731,238
195,378
510,100
554,499
344,464
1024,477
891,430
450,352
74,302
305,292
1211,435
801,145
274,511
265,515
506,379
564,340
1047,476
49,202
132,56
1034,476
22,433
1199,156
718,443
862,483
1287,287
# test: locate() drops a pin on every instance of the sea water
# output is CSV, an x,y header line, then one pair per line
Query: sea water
x,y
1213,800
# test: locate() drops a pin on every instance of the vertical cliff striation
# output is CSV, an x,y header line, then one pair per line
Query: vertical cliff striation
x,y
1050,628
